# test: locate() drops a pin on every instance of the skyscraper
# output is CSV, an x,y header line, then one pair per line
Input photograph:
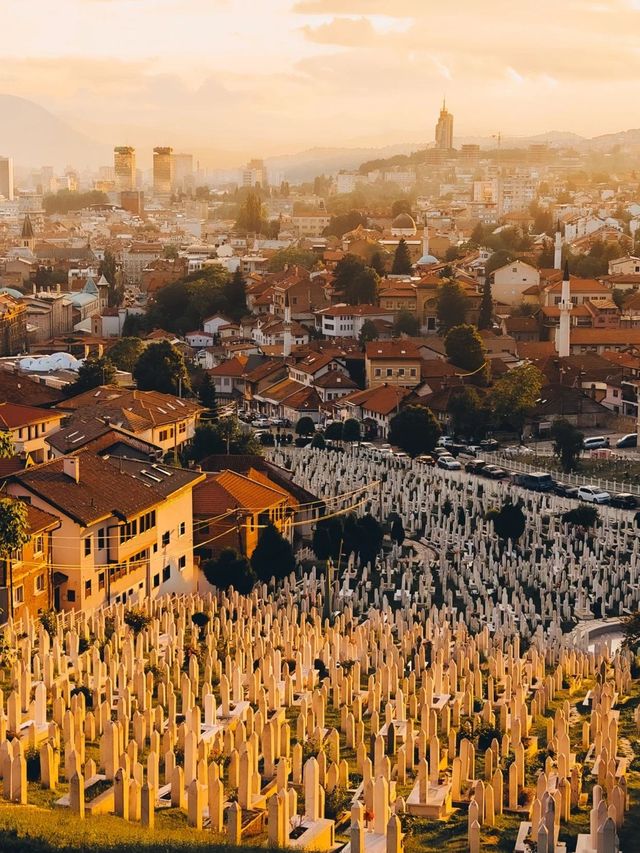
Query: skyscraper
x,y
183,177
6,178
124,162
444,130
162,171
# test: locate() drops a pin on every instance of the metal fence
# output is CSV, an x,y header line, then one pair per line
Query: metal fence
x,y
517,465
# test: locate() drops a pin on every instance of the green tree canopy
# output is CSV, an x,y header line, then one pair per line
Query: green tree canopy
x,y
125,353
342,223
486,306
401,205
498,259
514,395
414,429
351,430
250,216
183,305
161,368
334,431
230,569
470,416
7,449
14,525
346,270
223,436
94,371
509,521
292,256
305,426
65,201
363,288
451,306
465,349
567,443
273,555
402,259
406,323
234,292
108,270
368,332
207,395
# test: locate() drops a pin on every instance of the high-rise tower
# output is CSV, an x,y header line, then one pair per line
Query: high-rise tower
x,y
124,163
162,171
444,129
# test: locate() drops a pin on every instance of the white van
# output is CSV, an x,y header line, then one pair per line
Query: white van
x,y
595,442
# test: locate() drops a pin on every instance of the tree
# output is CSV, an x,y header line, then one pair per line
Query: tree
x,y
273,555
582,516
250,217
125,353
465,349
318,441
305,426
327,538
514,395
377,263
368,332
334,431
14,526
161,368
618,296
451,307
235,293
415,430
406,323
107,268
401,205
402,259
345,272
222,437
631,631
509,522
486,306
93,372
363,288
351,430
369,538
469,416
477,235
230,569
345,222
6,445
397,529
292,256
207,395
567,443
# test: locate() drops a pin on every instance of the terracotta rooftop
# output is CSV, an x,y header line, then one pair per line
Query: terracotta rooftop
x,y
13,415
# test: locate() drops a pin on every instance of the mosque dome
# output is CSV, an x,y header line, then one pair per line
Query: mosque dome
x,y
427,260
11,291
404,222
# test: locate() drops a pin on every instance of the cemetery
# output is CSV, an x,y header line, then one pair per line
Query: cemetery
x,y
468,691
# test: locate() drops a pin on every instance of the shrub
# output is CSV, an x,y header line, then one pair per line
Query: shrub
x,y
49,622
582,516
136,619
336,802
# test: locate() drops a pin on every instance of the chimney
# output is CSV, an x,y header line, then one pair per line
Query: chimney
x,y
71,467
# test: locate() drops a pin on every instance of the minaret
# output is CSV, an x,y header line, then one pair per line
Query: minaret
x,y
425,238
286,335
557,256
563,333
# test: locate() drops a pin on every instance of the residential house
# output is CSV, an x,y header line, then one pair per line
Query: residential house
x,y
98,435
126,528
511,280
26,577
136,259
231,508
163,420
13,325
29,428
346,321
374,407
395,362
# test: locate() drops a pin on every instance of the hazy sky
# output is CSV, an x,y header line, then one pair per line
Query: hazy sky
x,y
274,76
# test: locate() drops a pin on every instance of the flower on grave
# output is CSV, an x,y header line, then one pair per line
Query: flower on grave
x,y
368,815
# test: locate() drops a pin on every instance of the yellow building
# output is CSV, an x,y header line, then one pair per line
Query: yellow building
x,y
394,362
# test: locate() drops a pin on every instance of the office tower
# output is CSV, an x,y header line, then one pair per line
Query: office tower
x,y
162,171
6,178
124,162
444,130
183,177
255,174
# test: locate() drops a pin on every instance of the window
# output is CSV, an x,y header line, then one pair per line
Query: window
x,y
38,585
101,581
413,371
401,371
38,544
166,538
163,435
101,539
87,588
87,546
166,573
18,595
378,371
182,427
182,562
156,581
389,371
71,595
147,521
182,529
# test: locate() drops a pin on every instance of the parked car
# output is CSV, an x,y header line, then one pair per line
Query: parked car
x,y
441,451
565,490
425,459
449,463
594,442
456,449
473,449
445,441
281,422
475,467
593,494
536,481
494,472
624,500
262,423
489,444
628,440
